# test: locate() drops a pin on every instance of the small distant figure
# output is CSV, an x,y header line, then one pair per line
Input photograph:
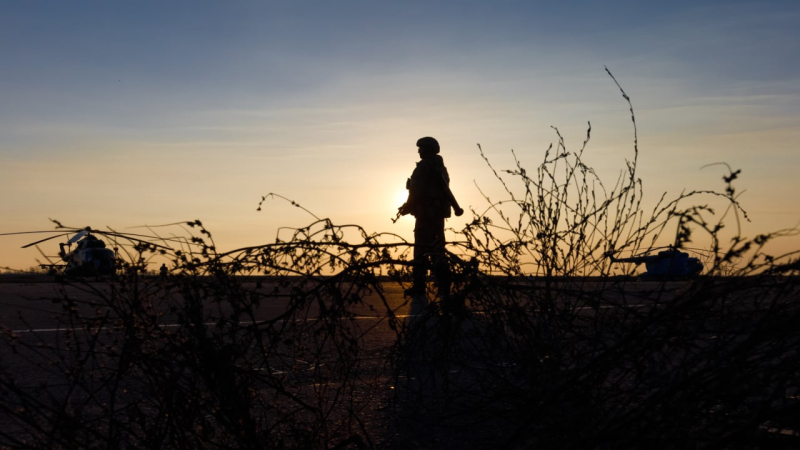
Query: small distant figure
x,y
429,201
163,271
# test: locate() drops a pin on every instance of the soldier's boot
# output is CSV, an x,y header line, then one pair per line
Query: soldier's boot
x,y
419,272
414,291
453,305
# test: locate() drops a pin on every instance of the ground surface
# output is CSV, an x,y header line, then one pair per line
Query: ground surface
x,y
32,308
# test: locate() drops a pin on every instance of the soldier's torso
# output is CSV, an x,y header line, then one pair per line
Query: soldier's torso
x,y
428,188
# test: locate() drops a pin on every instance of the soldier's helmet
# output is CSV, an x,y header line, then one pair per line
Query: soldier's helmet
x,y
428,145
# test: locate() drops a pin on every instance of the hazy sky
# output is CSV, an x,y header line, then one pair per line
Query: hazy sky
x,y
136,112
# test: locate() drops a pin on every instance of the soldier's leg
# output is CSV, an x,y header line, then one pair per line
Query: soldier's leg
x,y
418,268
450,304
422,248
441,266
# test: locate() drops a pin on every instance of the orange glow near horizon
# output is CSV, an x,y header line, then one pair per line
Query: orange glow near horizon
x,y
199,113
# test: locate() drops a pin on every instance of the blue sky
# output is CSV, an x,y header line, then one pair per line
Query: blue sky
x,y
123,113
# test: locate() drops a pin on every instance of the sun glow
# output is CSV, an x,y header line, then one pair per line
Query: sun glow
x,y
400,197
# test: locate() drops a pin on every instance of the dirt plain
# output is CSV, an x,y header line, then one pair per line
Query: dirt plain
x,y
394,416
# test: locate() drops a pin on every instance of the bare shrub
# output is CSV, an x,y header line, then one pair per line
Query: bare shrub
x,y
542,345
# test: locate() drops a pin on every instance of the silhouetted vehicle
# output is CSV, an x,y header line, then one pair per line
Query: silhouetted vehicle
x,y
666,263
90,257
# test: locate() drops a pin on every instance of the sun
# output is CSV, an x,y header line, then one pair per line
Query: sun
x,y
400,197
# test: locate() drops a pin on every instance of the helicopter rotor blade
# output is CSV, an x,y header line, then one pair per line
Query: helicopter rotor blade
x,y
80,232
34,232
45,239
77,236
45,256
130,237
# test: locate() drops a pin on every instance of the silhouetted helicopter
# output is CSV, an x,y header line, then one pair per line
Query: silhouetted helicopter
x,y
90,257
666,263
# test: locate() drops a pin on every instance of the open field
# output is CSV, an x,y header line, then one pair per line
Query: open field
x,y
32,303
393,374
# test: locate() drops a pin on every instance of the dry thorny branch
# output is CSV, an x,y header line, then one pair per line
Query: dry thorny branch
x,y
553,348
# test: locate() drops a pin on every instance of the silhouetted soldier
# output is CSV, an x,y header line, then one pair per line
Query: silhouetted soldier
x,y
429,201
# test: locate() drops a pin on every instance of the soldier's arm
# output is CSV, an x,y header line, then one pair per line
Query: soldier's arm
x,y
450,197
408,206
453,202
